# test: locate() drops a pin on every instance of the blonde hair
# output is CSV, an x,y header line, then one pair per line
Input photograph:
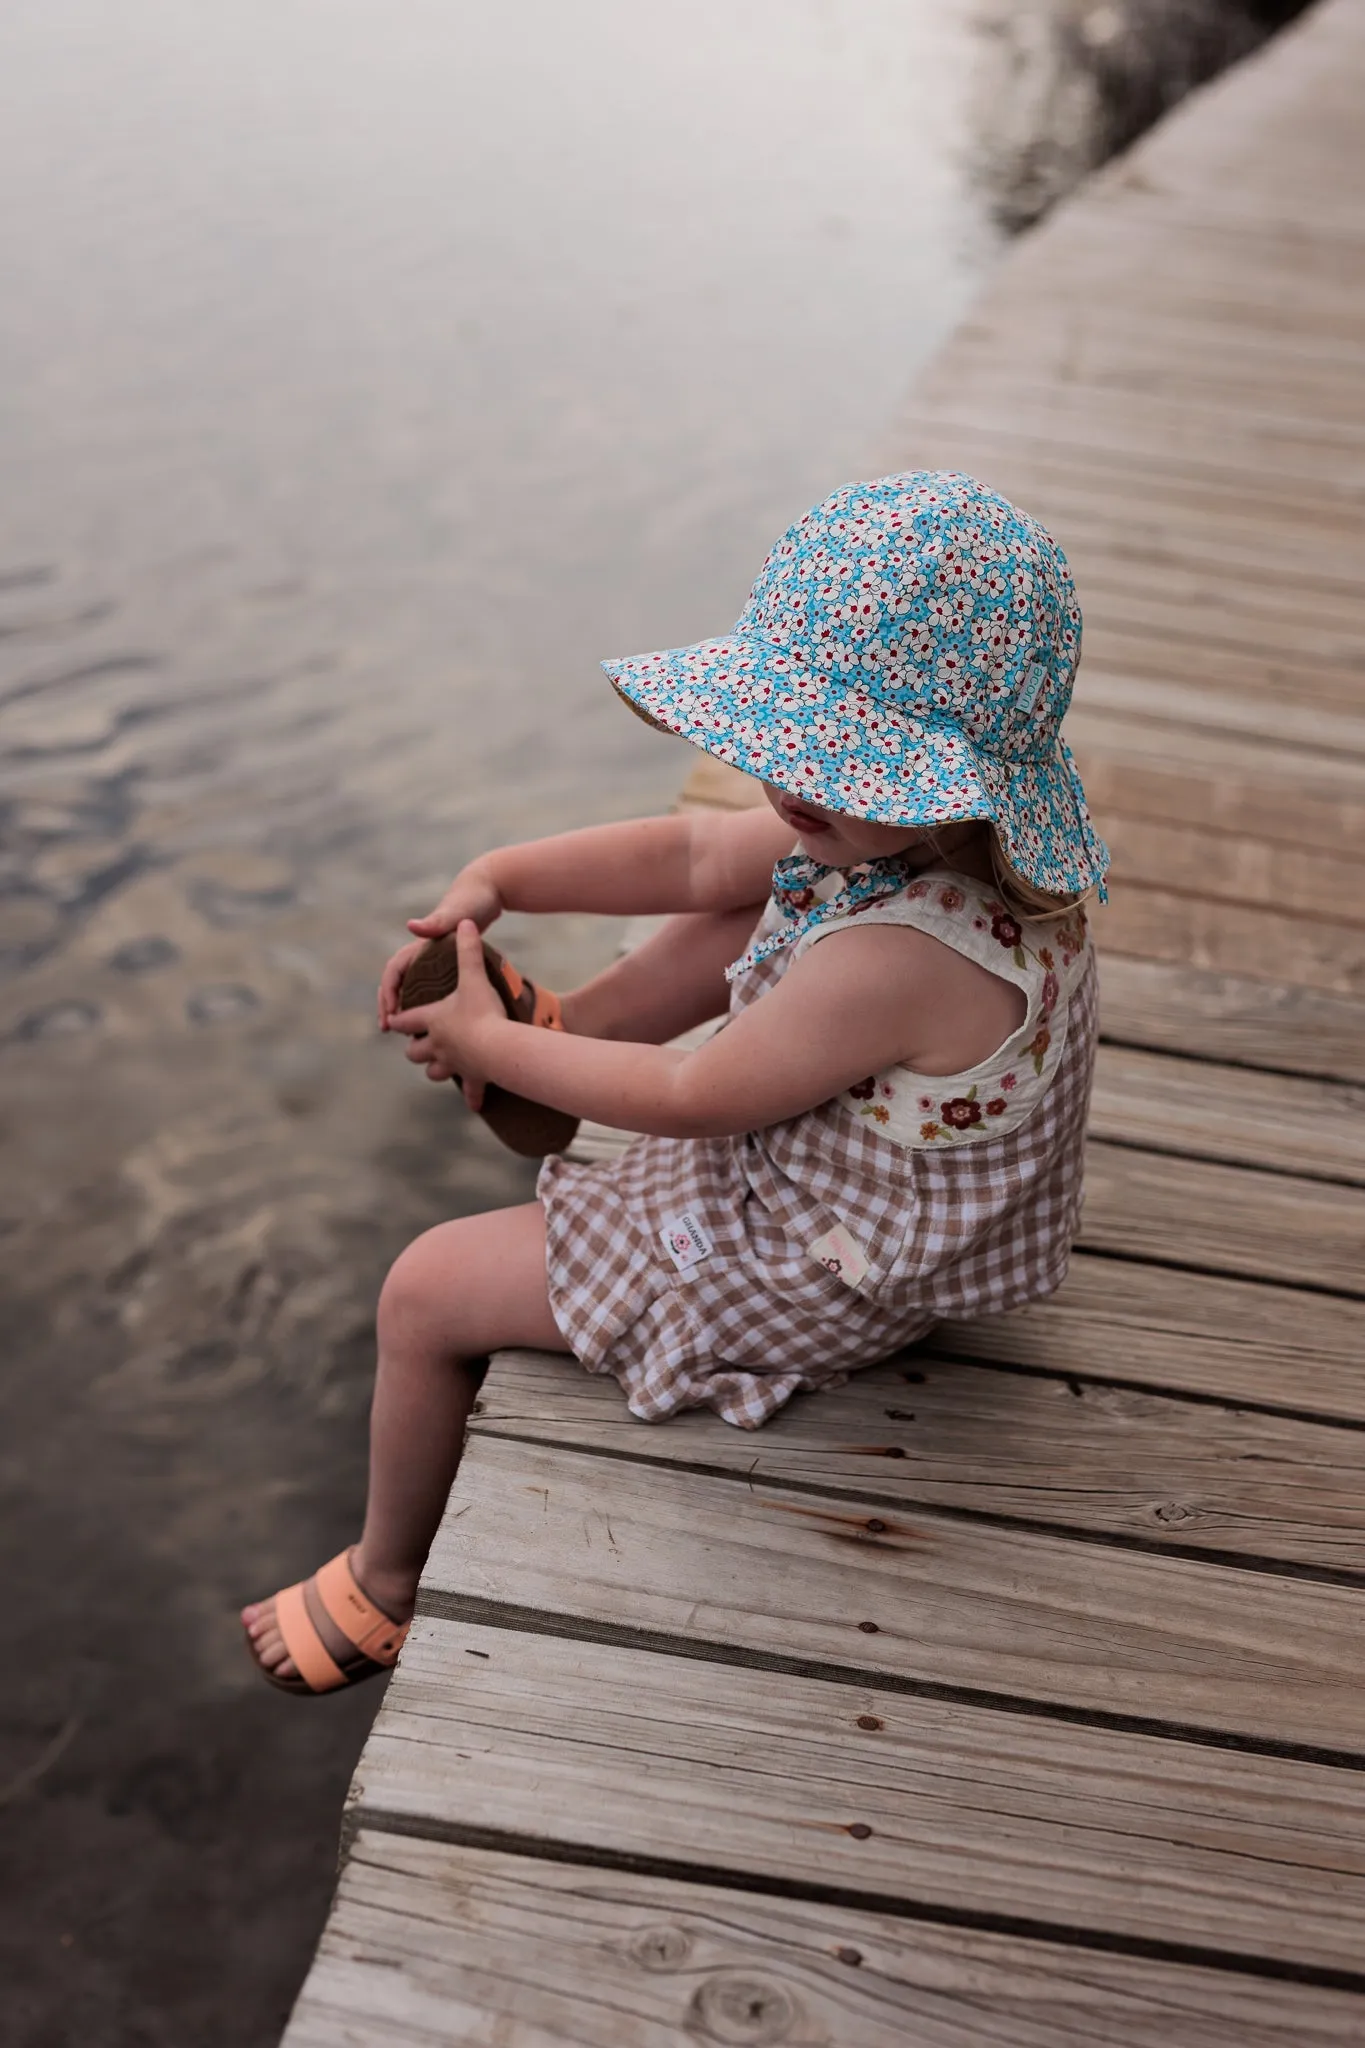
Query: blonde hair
x,y
1024,899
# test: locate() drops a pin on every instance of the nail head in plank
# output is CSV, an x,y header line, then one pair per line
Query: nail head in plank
x,y
670,1550
683,1766
435,1945
925,1430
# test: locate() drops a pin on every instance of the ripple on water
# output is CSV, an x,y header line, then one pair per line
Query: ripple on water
x,y
143,956
220,1002
58,1020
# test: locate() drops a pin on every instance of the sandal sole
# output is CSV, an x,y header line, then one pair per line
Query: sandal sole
x,y
529,1129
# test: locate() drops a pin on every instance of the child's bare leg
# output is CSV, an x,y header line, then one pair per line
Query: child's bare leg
x,y
663,988
462,1290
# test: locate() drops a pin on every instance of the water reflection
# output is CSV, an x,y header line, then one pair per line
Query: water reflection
x,y
368,373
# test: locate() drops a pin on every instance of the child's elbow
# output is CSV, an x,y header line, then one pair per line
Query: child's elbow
x,y
705,1112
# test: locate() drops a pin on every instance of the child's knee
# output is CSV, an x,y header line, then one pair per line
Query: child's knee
x,y
415,1299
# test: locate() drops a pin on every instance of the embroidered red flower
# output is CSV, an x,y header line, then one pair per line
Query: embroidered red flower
x,y
996,1108
1006,929
863,1091
1042,1039
1009,1080
1050,990
1045,955
951,899
961,1113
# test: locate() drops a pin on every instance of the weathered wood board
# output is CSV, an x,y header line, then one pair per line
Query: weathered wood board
x,y
429,1938
622,1755
1011,1693
1035,1448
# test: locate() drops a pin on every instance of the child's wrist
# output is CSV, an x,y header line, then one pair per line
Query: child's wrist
x,y
479,879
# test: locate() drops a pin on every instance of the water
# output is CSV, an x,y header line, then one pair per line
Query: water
x,y
366,374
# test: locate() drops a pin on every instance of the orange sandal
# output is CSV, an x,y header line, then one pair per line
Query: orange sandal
x,y
525,1127
374,1635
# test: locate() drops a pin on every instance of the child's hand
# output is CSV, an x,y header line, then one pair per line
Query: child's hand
x,y
472,894
450,1037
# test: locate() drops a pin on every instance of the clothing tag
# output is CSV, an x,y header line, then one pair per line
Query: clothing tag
x,y
1033,685
685,1241
838,1253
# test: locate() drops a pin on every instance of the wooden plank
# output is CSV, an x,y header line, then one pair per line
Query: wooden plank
x,y
676,1766
1152,1326
1223,1219
1231,441
924,1430
1231,938
1306,1126
1141,499
1321,889
746,1568
1173,775
435,1945
1171,1007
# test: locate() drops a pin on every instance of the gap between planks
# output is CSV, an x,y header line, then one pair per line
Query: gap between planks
x,y
428,1938
1032,1448
816,1574
811,1788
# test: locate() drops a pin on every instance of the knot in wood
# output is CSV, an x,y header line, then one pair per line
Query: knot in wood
x,y
743,2011
661,1948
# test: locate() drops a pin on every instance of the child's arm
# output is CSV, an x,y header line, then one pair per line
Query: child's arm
x,y
853,1005
698,860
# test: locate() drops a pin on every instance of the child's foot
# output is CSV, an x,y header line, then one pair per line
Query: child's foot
x,y
327,1632
523,1126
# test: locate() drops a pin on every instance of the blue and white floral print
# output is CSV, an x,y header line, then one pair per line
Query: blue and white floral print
x,y
906,656
796,881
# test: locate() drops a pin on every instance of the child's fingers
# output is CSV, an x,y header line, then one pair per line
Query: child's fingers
x,y
469,946
413,1023
390,981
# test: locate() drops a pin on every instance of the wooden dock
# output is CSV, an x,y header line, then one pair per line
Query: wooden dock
x,y
1014,1695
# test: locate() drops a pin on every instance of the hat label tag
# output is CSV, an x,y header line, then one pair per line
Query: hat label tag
x,y
840,1255
1033,687
685,1241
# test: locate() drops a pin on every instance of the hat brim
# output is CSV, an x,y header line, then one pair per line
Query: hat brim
x,y
909,768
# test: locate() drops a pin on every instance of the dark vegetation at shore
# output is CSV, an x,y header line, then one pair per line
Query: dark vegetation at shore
x,y
1069,83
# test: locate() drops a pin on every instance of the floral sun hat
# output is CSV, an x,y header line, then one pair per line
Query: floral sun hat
x,y
905,656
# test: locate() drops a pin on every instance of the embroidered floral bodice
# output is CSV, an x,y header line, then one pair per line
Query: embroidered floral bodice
x,y
1045,957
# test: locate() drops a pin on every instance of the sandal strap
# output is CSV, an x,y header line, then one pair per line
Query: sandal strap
x,y
546,1008
315,1664
375,1634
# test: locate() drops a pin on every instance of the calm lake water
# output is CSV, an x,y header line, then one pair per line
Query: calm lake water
x,y
366,374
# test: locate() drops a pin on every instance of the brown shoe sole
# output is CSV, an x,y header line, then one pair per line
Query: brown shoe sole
x,y
525,1127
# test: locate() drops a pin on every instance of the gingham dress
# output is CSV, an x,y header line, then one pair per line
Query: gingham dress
x,y
828,1241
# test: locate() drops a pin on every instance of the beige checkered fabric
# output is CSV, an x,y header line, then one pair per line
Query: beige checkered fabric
x,y
953,1230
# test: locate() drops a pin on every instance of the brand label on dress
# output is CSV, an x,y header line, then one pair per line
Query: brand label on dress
x,y
840,1256
685,1241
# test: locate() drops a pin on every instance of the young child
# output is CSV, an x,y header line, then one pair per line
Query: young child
x,y
887,1130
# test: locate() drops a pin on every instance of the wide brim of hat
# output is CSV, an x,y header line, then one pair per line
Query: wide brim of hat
x,y
909,769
